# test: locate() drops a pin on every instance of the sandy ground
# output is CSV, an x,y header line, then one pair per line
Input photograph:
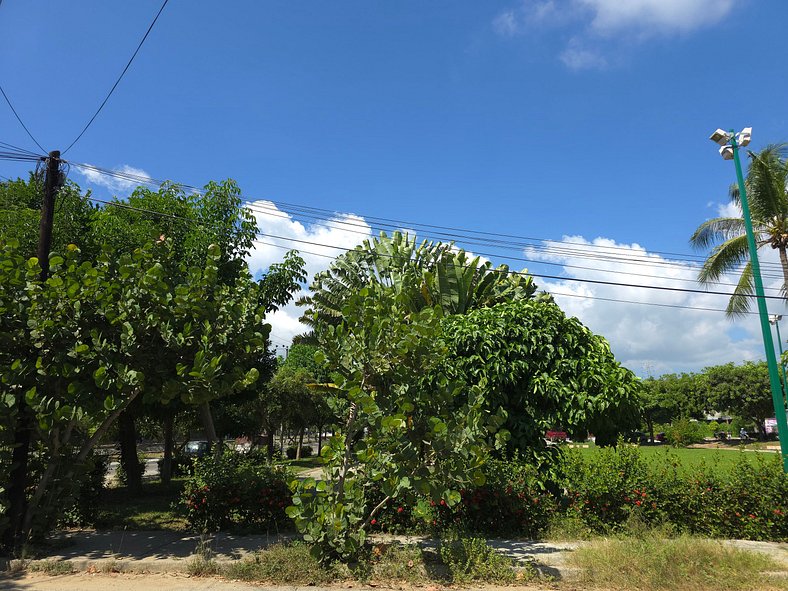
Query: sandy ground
x,y
174,582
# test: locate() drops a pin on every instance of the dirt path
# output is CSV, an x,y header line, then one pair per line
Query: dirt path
x,y
118,582
179,582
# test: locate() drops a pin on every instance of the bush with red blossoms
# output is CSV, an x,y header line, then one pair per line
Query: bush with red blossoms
x,y
236,491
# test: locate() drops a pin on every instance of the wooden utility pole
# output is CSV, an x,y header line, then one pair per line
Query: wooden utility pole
x,y
48,212
23,433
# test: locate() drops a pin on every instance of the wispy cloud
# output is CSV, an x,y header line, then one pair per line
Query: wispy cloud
x,y
118,184
599,26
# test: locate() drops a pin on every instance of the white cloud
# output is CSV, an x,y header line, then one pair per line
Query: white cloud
x,y
729,210
650,338
507,23
654,16
575,57
136,177
318,245
600,26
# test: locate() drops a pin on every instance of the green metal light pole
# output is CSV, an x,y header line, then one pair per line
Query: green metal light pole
x,y
775,319
730,143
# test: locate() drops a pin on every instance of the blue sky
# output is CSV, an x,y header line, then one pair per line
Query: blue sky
x,y
554,119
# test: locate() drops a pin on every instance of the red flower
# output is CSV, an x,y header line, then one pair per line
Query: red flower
x,y
374,521
637,503
443,503
400,509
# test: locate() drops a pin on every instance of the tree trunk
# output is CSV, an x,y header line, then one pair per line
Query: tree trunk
x,y
300,443
269,442
127,433
282,438
210,430
784,262
18,475
166,463
319,439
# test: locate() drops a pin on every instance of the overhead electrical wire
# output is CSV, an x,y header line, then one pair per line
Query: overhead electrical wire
x,y
114,86
18,118
509,272
564,249
555,293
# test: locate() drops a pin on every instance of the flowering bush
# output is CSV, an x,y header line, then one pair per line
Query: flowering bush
x,y
749,500
512,501
236,490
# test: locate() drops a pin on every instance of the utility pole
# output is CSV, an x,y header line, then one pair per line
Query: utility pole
x,y
23,432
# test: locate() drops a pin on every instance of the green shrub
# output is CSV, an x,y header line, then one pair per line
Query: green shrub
x,y
83,509
684,432
472,559
306,451
120,473
236,490
512,501
615,487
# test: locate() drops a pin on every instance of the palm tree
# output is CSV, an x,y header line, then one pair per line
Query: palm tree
x,y
767,197
426,274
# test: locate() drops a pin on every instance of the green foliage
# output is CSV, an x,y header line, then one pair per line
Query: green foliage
x,y
236,490
84,509
684,432
472,559
85,343
653,563
743,390
121,474
544,370
426,275
613,486
401,431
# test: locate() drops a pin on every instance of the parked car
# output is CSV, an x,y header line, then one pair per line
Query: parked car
x,y
196,449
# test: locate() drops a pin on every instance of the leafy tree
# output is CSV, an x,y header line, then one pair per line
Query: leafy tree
x,y
674,396
92,338
767,195
427,274
418,435
742,390
20,216
544,370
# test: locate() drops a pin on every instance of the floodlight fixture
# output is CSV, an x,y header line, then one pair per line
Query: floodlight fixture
x,y
726,152
775,318
720,137
744,136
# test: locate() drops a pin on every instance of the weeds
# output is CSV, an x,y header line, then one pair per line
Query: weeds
x,y
653,563
51,567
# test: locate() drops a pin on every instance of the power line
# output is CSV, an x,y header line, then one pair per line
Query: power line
x,y
509,271
335,224
585,251
18,118
114,86
555,293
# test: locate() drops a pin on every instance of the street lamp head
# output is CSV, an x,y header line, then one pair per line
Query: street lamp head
x,y
721,137
775,318
726,152
744,136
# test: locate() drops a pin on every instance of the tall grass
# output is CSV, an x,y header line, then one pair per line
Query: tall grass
x,y
653,563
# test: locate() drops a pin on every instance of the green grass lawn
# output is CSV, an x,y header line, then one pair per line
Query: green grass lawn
x,y
722,458
304,463
151,509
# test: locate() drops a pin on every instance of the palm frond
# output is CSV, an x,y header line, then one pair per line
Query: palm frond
x,y
739,304
712,231
726,257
